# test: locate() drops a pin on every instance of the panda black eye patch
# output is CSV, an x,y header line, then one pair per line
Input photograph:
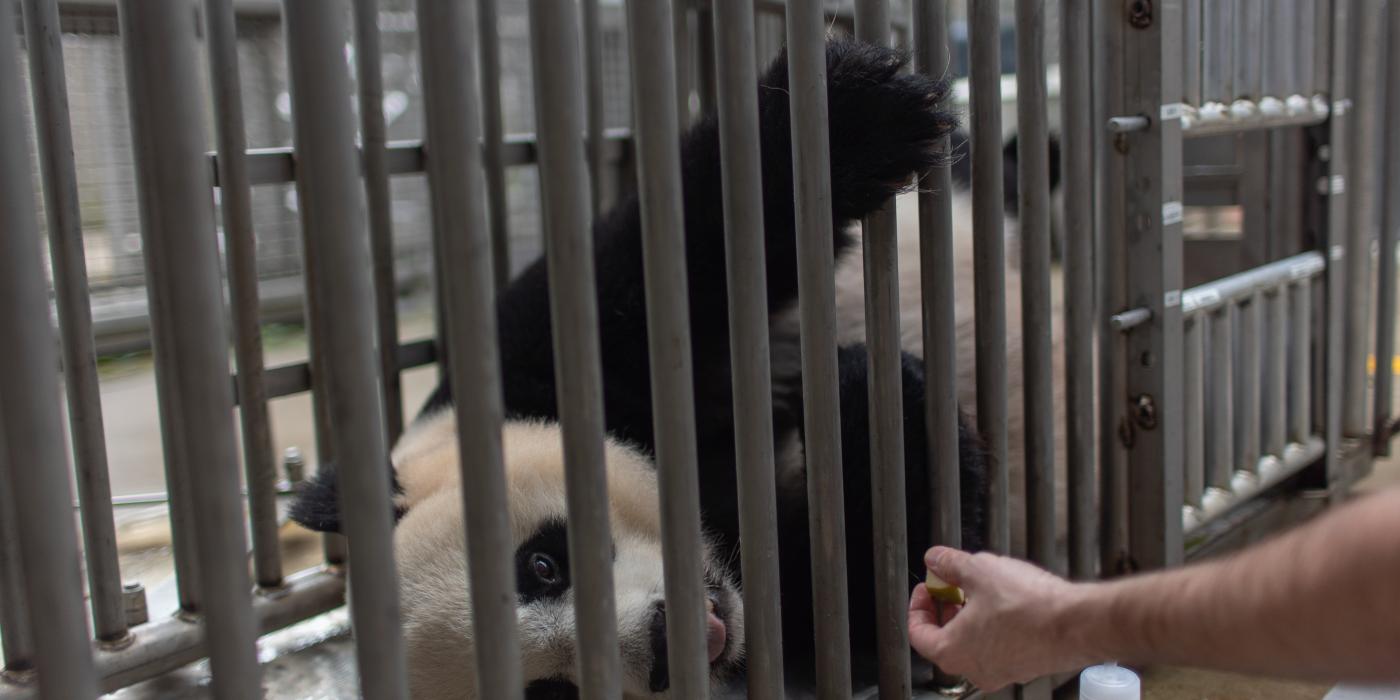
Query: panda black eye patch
x,y
542,563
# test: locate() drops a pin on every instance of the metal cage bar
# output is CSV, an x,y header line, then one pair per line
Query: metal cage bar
x,y
1034,229
1337,243
668,342
593,90
1191,41
1300,362
182,278
336,238
1193,404
462,235
1248,365
1248,47
811,166
493,138
369,82
54,134
931,57
1273,401
559,106
1077,176
886,398
1220,407
235,205
1381,419
16,636
1367,59
34,467
989,260
1306,33
1217,56
747,286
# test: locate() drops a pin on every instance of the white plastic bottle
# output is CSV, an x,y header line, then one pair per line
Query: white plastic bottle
x,y
1109,682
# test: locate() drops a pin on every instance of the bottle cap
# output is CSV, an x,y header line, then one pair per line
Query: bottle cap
x,y
1109,682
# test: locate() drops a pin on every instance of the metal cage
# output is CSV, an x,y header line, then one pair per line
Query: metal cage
x,y
1190,414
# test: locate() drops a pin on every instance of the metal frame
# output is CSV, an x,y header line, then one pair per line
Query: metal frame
x,y
1215,403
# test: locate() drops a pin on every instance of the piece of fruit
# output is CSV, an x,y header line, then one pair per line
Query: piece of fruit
x,y
942,591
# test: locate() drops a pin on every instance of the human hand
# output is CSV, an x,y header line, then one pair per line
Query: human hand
x,y
1012,629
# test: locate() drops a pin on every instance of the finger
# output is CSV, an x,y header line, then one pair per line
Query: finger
x,y
951,565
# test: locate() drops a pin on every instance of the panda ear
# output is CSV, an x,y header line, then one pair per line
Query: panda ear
x,y
317,504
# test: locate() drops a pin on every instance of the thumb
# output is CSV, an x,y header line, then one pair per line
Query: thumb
x,y
951,565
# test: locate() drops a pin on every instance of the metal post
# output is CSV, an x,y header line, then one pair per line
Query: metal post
x,y
564,180
493,135
939,314
1249,365
1217,57
657,130
35,462
459,226
1220,406
989,260
1274,399
1305,33
811,166
1337,235
335,237
1248,45
735,76
235,204
1367,57
1191,43
1151,160
54,134
16,636
886,397
1300,362
1193,404
680,35
182,278
373,139
1389,248
1077,178
593,74
705,57
1034,184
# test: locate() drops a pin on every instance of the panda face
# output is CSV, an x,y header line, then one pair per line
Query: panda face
x,y
430,543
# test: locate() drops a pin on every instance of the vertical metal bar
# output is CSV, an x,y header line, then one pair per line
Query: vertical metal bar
x,y
1300,361
1273,398
1367,58
593,74
559,108
1110,289
182,276
740,165
1217,58
1193,404
668,342
373,138
1248,46
1220,404
1389,246
1034,184
35,468
54,134
989,259
1192,36
1324,44
493,135
1337,236
16,636
705,57
931,57
886,397
459,226
1249,366
1280,19
334,234
680,38
811,166
1152,162
235,204
1077,176
1305,34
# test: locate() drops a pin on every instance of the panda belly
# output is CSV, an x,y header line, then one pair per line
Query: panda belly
x,y
850,310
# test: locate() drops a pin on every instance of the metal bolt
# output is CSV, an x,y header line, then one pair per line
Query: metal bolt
x,y
294,466
134,604
1140,14
1145,411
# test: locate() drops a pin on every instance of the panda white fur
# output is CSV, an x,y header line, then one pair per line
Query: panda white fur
x,y
884,124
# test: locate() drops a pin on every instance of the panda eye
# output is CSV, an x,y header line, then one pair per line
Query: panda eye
x,y
544,568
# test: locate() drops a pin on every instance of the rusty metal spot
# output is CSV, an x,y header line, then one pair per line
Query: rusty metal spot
x,y
1145,411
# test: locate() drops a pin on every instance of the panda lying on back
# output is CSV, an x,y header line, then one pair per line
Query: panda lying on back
x,y
884,123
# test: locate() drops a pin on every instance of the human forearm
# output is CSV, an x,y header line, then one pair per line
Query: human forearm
x,y
1322,601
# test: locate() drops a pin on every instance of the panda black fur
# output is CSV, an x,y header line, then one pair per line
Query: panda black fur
x,y
884,122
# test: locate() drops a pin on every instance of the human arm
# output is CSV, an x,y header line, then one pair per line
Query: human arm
x,y
1319,602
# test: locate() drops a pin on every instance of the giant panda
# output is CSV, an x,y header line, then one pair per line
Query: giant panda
x,y
884,123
